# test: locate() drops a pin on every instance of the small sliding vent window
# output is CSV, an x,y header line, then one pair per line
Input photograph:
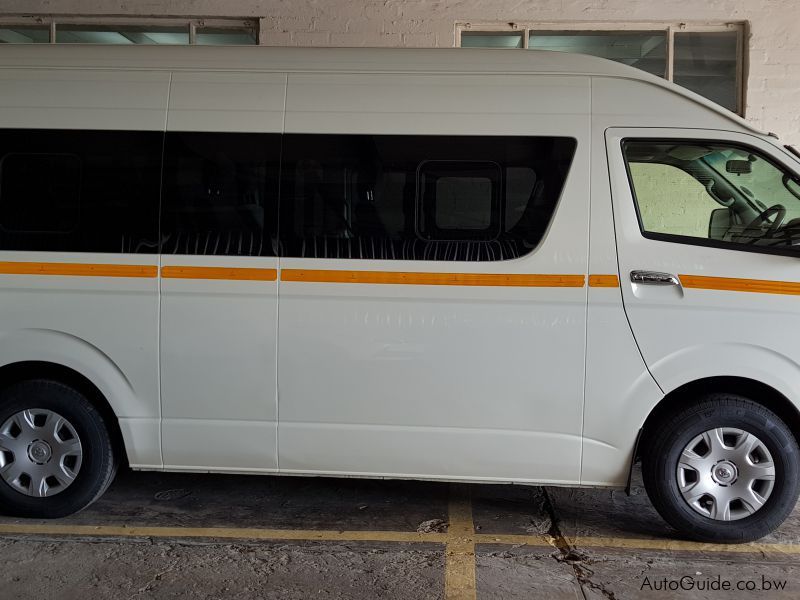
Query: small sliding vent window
x,y
459,200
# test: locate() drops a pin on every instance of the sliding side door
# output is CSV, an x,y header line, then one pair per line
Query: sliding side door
x,y
432,294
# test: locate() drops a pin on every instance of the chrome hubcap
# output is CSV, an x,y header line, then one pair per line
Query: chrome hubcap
x,y
726,474
40,452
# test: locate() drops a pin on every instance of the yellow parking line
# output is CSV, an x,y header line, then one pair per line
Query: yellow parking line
x,y
682,546
460,538
513,539
222,532
638,544
459,577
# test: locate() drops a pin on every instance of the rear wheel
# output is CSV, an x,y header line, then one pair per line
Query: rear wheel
x,y
723,470
56,455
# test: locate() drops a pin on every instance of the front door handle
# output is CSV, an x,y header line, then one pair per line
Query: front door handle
x,y
654,278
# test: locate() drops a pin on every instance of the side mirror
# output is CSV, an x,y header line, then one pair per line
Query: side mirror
x,y
739,167
720,223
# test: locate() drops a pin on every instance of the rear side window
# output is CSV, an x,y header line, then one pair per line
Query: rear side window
x,y
713,193
79,191
458,198
220,194
40,192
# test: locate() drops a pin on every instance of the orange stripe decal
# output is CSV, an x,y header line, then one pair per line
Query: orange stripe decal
x,y
77,269
404,278
604,281
226,273
730,284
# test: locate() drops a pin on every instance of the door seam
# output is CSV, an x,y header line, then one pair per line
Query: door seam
x,y
619,270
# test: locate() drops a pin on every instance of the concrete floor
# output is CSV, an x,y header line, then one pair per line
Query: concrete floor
x,y
219,536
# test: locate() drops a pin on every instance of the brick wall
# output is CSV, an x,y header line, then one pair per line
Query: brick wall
x,y
773,84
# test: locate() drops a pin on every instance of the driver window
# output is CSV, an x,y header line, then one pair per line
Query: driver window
x,y
671,201
723,193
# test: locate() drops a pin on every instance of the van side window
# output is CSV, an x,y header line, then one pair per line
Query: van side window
x,y
79,191
714,193
40,192
454,198
220,194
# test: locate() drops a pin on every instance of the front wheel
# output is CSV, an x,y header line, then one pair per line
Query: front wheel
x,y
56,455
724,470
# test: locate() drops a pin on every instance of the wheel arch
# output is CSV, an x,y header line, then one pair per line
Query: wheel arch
x,y
688,393
27,370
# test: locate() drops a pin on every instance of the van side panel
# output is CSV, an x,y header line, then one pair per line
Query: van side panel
x,y
219,284
619,390
83,99
618,102
226,101
438,381
95,312
444,104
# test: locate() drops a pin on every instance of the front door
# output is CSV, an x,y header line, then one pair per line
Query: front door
x,y
707,226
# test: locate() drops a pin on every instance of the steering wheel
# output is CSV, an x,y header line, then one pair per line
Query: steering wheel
x,y
757,224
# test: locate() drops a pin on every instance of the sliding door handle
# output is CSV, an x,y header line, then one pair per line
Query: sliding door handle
x,y
654,278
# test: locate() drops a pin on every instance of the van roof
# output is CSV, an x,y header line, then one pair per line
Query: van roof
x,y
477,61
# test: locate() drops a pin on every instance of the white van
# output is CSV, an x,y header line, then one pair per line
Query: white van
x,y
459,265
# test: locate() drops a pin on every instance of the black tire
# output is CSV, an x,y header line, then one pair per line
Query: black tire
x,y
666,441
98,465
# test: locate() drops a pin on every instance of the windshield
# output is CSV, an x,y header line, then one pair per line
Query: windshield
x,y
765,184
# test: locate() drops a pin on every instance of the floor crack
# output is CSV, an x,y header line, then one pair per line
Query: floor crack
x,y
156,578
568,554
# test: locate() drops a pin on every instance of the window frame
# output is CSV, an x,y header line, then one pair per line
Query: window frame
x,y
696,241
192,25
528,28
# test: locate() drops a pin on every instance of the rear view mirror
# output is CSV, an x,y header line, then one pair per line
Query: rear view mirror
x,y
719,223
739,167
792,185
